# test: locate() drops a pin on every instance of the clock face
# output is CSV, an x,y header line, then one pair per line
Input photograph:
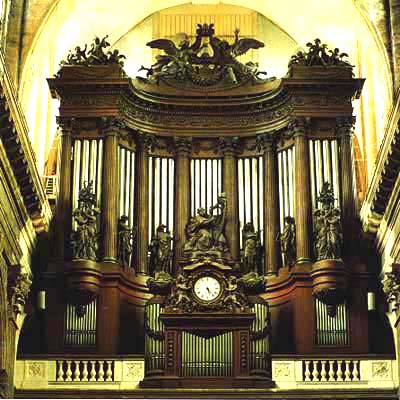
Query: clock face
x,y
207,288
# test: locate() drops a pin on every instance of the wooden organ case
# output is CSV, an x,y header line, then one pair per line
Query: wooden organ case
x,y
206,177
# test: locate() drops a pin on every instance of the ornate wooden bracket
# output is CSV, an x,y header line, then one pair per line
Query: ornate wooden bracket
x,y
391,287
18,287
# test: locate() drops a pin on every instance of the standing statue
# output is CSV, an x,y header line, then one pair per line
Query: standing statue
x,y
252,249
160,251
287,240
84,239
205,233
328,235
126,237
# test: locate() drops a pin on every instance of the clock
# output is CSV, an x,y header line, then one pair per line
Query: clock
x,y
207,288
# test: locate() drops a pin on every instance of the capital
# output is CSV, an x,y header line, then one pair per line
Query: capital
x,y
67,125
298,126
266,141
183,146
112,125
345,126
145,142
229,146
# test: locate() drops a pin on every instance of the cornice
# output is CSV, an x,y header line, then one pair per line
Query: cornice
x,y
387,169
14,135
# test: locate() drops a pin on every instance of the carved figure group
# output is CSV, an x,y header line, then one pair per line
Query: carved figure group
x,y
160,251
252,249
287,240
328,235
95,56
205,232
126,238
317,54
205,62
84,239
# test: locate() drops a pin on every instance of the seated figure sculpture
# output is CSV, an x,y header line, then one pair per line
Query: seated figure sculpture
x,y
205,233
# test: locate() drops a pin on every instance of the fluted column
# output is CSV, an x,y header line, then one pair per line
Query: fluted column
x,y
345,130
63,214
183,148
230,186
303,190
111,128
142,202
271,203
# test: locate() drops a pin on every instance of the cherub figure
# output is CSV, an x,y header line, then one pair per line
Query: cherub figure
x,y
234,297
115,58
96,53
179,296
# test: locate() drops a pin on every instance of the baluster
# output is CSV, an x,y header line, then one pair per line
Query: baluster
x,y
307,372
68,372
60,371
347,371
331,371
340,376
77,372
108,371
323,371
92,371
84,371
356,375
100,375
315,371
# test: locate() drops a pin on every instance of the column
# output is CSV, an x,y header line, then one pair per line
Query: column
x,y
303,190
345,131
183,147
271,203
63,214
109,229
143,143
230,186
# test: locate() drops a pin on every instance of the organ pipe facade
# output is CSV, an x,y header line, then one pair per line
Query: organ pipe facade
x,y
271,158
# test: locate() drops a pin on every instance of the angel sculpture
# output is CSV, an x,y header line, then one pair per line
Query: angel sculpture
x,y
175,63
227,54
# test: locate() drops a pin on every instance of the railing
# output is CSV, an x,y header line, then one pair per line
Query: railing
x,y
307,373
79,373
331,370
326,372
85,371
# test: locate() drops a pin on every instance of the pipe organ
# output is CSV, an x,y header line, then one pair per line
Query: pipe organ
x,y
207,209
